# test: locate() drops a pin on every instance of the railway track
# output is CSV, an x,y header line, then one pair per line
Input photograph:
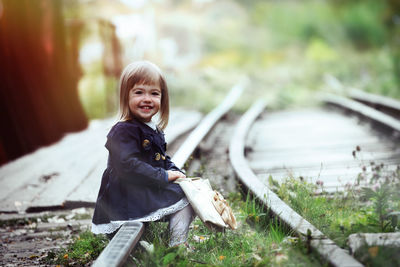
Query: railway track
x,y
253,170
255,182
243,156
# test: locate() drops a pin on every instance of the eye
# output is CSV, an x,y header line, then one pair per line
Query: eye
x,y
156,93
137,92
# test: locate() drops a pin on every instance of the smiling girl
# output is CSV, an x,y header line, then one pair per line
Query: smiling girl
x,y
137,184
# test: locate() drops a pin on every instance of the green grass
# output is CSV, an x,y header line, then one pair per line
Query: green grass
x,y
379,256
258,241
334,215
371,205
83,250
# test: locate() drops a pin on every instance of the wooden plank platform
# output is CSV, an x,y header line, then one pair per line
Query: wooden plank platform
x,y
68,173
316,144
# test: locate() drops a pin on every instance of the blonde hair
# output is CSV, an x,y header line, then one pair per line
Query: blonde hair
x,y
143,72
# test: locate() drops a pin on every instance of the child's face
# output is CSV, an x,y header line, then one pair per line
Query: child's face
x,y
144,101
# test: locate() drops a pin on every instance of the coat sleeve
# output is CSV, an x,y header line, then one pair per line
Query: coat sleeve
x,y
124,147
171,166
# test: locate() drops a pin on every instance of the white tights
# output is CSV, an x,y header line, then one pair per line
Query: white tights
x,y
179,223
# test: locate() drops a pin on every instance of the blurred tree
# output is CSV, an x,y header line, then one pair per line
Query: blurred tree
x,y
39,74
112,63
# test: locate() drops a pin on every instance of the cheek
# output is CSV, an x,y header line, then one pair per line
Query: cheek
x,y
131,103
157,102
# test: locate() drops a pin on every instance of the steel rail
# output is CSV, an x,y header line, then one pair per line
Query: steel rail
x,y
384,104
386,120
125,240
195,137
317,240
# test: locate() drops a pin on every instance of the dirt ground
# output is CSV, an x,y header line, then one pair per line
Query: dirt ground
x,y
211,161
27,238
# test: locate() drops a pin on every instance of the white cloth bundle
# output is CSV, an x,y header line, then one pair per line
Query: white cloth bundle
x,y
209,205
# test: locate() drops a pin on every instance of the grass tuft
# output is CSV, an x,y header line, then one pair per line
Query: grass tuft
x,y
83,250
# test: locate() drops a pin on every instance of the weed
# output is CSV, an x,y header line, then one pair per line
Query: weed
x,y
378,187
372,204
319,210
257,214
379,256
84,249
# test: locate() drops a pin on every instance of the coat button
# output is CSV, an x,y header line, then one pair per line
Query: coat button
x,y
145,143
163,157
157,157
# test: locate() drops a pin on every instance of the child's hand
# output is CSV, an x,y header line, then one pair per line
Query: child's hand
x,y
173,175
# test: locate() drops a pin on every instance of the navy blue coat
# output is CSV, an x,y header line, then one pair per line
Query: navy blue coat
x,y
135,182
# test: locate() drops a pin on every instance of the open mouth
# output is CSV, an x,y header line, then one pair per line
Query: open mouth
x,y
146,108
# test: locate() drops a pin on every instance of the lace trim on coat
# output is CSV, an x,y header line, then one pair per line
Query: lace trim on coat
x,y
108,228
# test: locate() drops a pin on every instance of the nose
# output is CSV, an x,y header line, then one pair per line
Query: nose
x,y
147,97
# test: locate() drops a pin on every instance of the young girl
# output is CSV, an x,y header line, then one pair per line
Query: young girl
x,y
138,181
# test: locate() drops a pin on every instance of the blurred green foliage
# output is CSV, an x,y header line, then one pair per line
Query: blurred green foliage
x,y
363,23
355,41
285,48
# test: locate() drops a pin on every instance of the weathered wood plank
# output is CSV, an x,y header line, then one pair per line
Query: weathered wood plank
x,y
262,160
316,144
86,192
47,156
55,192
62,167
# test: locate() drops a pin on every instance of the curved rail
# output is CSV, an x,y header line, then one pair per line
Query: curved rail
x,y
377,108
384,104
119,248
324,246
386,120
